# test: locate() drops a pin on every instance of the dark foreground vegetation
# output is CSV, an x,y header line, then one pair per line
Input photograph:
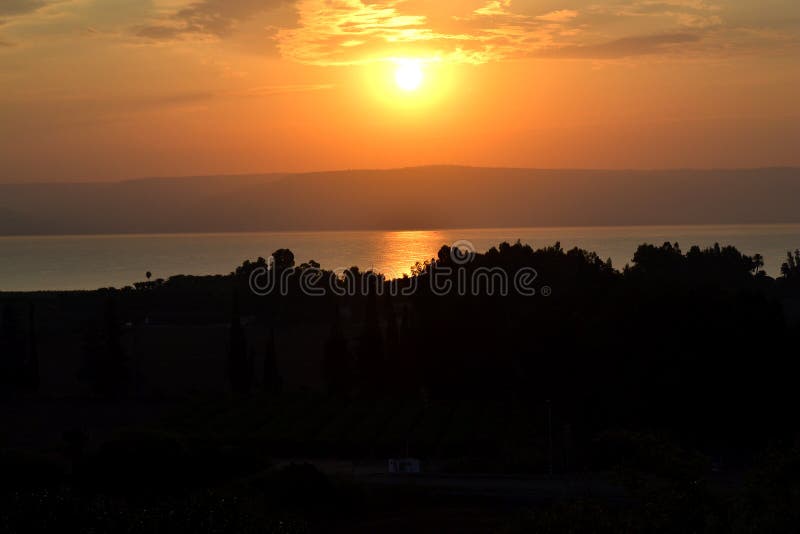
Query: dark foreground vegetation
x,y
656,398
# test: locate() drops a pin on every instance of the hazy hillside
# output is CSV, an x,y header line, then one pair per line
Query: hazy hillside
x,y
424,197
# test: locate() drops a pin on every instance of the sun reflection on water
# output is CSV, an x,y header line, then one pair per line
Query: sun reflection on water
x,y
394,250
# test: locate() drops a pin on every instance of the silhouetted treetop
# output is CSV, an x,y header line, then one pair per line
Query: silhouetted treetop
x,y
790,269
723,266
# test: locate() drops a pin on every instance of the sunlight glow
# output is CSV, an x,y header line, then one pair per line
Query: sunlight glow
x,y
409,75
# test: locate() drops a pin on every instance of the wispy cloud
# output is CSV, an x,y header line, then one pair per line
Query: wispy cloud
x,y
206,18
625,47
684,13
11,9
344,32
561,15
347,32
19,7
340,32
267,90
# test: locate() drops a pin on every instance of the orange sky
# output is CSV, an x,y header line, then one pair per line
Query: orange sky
x,y
99,89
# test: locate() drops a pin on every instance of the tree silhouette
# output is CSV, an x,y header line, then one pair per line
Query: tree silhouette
x,y
12,348
336,361
392,330
105,361
283,259
273,382
32,363
790,269
393,365
370,350
239,364
758,264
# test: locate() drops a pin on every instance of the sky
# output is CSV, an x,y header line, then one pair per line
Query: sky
x,y
116,89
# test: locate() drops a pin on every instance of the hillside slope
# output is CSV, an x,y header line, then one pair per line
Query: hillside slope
x,y
413,198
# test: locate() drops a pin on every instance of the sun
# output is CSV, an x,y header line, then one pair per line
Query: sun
x,y
409,75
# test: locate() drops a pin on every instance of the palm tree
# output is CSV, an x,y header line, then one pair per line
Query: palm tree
x,y
791,268
758,263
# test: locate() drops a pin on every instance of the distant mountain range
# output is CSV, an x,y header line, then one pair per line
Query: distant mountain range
x,y
412,198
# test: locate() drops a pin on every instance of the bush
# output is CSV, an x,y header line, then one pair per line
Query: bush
x,y
26,470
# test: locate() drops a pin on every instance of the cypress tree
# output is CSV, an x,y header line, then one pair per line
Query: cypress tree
x,y
33,352
336,362
105,365
393,365
238,375
370,350
273,382
11,348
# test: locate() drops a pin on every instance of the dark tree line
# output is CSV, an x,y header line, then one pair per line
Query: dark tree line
x,y
106,366
790,270
337,363
695,342
19,353
241,358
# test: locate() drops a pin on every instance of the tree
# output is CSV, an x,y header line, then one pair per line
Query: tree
x,y
393,364
758,264
105,362
336,362
791,267
12,348
273,383
370,349
282,259
239,365
32,363
392,330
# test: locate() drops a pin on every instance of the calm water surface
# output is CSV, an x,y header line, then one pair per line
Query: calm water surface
x,y
90,262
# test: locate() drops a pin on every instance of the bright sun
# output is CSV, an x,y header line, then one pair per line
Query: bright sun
x,y
409,75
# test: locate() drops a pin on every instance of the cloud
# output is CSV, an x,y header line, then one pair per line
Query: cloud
x,y
350,32
562,15
344,32
20,7
206,18
332,32
267,90
15,8
625,47
494,8
682,13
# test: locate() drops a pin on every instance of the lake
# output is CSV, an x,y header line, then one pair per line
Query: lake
x,y
89,262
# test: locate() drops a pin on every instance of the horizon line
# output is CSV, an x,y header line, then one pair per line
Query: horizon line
x,y
285,174
396,230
